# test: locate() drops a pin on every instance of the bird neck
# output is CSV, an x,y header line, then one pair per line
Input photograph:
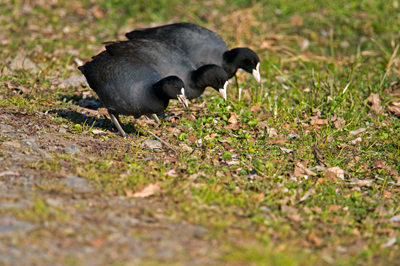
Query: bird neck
x,y
230,61
199,80
160,94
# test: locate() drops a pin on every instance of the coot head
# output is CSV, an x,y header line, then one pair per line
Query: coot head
x,y
245,59
215,77
172,87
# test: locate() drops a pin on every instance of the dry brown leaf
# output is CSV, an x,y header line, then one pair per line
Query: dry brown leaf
x,y
314,239
392,171
276,141
300,170
192,138
334,173
395,110
170,159
380,210
232,126
319,157
390,242
272,132
98,242
171,173
333,208
355,141
339,123
255,108
233,118
307,194
375,102
288,209
97,12
318,122
296,21
211,136
147,191
358,131
98,132
378,164
262,125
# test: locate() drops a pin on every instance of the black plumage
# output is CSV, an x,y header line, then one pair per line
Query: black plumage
x,y
129,86
169,60
203,46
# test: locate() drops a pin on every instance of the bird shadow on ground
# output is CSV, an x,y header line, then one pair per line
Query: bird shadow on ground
x,y
89,116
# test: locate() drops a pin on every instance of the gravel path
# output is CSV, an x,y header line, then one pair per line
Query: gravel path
x,y
50,217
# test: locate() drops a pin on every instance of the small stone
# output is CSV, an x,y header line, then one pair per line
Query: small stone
x,y
22,157
72,149
43,154
62,130
151,144
87,103
293,136
22,62
6,128
28,142
74,81
344,44
76,183
12,144
10,226
54,202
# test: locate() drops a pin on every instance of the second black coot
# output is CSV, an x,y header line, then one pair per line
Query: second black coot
x,y
203,46
129,86
169,60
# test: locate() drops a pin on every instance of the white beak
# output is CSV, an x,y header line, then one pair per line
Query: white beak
x,y
182,98
222,91
256,73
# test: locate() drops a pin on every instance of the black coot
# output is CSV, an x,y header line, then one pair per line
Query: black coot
x,y
203,46
129,86
169,60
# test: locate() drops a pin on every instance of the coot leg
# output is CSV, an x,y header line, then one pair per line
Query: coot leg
x,y
155,117
115,119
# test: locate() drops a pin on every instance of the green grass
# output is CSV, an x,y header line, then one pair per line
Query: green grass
x,y
258,219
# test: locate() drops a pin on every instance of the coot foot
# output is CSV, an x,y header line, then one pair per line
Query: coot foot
x,y
115,119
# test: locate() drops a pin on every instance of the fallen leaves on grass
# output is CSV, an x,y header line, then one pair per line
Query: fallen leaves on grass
x,y
308,193
276,141
394,108
361,182
358,131
380,164
338,122
232,126
233,119
319,157
314,239
171,173
375,102
144,193
333,173
315,121
390,242
300,170
355,141
22,62
98,132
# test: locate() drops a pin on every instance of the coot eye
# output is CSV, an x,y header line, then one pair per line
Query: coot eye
x,y
219,81
252,62
175,87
